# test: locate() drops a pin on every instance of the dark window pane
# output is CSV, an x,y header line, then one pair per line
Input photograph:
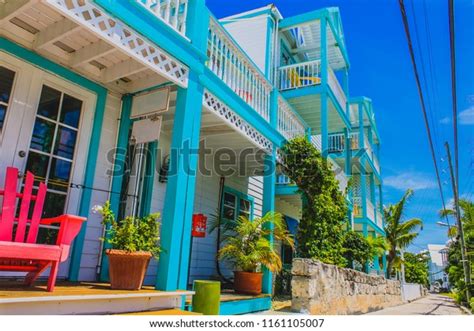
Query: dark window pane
x,y
54,204
245,205
3,112
49,102
43,134
65,142
38,165
228,213
59,174
70,111
47,236
6,83
229,199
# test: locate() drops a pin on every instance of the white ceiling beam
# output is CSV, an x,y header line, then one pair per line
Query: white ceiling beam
x,y
55,32
90,53
122,69
12,8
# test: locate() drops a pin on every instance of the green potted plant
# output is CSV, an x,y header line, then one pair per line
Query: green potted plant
x,y
246,243
133,242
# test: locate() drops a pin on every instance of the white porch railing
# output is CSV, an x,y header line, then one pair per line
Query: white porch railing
x,y
357,207
316,141
289,124
379,219
337,89
172,12
300,75
283,180
370,210
337,143
236,70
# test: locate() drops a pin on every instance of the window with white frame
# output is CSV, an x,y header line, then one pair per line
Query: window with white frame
x,y
7,78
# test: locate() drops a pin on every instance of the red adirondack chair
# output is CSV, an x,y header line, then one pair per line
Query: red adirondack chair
x,y
21,252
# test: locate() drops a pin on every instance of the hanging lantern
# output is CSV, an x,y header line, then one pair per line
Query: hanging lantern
x,y
199,225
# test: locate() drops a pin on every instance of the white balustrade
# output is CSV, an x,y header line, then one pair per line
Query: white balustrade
x,y
370,210
289,124
379,218
300,75
172,12
337,89
337,143
283,180
236,70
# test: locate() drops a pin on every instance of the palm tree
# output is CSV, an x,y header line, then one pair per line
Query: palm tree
x,y
467,217
378,246
400,233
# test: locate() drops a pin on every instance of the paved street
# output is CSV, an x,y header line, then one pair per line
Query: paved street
x,y
433,304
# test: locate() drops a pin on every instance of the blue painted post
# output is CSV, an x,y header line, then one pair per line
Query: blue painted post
x,y
365,232
269,183
324,93
346,90
348,171
179,198
117,176
384,264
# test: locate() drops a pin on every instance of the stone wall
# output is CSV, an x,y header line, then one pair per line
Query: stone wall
x,y
319,288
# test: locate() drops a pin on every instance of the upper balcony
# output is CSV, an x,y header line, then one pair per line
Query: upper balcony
x,y
313,63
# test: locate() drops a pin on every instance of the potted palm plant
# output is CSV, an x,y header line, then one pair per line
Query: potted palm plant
x,y
133,243
247,245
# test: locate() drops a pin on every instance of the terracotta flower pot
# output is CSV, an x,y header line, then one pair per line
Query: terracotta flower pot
x,y
127,270
248,282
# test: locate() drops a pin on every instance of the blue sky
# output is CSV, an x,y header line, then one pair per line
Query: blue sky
x,y
381,69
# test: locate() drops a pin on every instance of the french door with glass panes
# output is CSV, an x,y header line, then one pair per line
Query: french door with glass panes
x,y
43,130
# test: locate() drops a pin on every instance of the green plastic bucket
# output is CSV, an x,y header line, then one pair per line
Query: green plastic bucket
x,y
206,300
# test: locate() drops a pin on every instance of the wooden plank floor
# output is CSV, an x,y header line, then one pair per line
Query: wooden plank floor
x,y
230,295
18,290
164,312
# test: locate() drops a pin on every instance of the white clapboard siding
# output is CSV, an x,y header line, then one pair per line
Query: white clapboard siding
x,y
251,35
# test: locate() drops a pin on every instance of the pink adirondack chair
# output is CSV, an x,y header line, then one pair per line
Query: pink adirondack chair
x,y
21,252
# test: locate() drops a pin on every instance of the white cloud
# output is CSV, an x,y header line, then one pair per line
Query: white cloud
x,y
410,180
445,120
466,117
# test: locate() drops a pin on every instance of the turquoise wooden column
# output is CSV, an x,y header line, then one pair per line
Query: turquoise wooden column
x,y
118,172
180,189
179,199
324,93
346,90
365,232
269,183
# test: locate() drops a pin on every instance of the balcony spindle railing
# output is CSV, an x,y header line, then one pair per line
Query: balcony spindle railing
x,y
316,141
172,12
370,210
289,124
300,75
337,143
236,70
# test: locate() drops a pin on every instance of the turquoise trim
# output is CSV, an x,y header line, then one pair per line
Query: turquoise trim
x,y
238,307
324,95
290,22
286,189
101,92
342,112
269,182
116,186
239,197
158,32
180,189
303,92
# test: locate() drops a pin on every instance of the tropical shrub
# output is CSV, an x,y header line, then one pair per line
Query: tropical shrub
x,y
324,214
416,268
132,234
246,242
355,248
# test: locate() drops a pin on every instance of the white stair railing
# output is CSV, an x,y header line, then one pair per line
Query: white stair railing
x,y
337,142
236,70
289,124
337,89
339,174
300,75
172,12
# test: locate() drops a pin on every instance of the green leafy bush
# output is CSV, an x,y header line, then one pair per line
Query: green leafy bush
x,y
356,248
324,215
132,234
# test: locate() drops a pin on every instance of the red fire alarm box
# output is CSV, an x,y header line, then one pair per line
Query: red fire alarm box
x,y
199,225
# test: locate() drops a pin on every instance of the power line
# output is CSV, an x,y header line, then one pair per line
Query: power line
x,y
422,100
453,88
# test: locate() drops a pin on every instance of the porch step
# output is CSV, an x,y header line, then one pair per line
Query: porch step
x,y
164,312
90,298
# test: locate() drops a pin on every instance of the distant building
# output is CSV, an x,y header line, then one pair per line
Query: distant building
x,y
438,262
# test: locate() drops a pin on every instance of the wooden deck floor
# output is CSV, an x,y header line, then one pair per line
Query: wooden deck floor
x,y
18,290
